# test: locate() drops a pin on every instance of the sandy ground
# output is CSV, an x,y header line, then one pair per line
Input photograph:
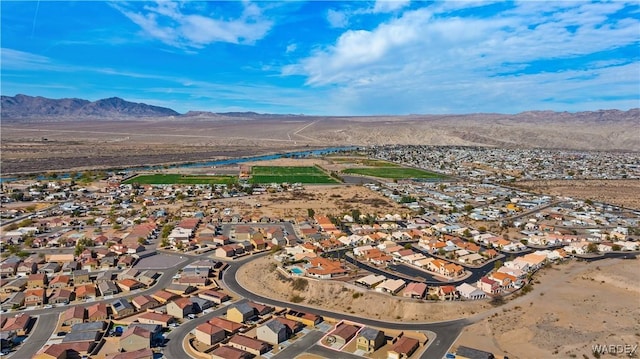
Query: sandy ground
x,y
323,199
336,296
619,192
575,306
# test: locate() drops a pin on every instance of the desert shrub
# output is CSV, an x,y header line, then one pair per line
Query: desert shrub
x,y
300,284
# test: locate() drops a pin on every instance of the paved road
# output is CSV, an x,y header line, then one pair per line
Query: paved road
x,y
40,334
446,331
301,345
174,348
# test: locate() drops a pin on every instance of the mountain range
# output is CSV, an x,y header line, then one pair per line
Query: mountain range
x,y
23,108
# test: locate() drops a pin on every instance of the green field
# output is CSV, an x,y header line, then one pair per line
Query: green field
x,y
289,174
181,179
394,173
363,161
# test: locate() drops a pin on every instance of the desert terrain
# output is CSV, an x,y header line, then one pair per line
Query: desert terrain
x,y
563,316
619,192
570,309
324,200
60,144
260,276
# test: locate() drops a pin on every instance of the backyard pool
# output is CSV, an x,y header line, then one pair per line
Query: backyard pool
x,y
296,271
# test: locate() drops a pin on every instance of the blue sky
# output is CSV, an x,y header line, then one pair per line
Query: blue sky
x,y
328,58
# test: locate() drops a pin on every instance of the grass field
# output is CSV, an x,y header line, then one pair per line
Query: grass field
x,y
363,161
181,179
289,174
393,173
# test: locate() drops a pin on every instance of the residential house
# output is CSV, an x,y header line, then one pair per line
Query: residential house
x,y
229,326
209,334
135,338
225,251
415,290
121,308
163,296
447,292
26,268
180,308
503,279
8,268
108,288
85,292
489,286
240,313
81,276
308,319
129,284
471,353
370,340
15,300
343,333
254,346
34,297
200,304
371,280
61,296
21,324
214,296
136,354
37,280
60,281
16,285
228,352
273,331
97,312
260,309
73,315
403,348
156,318
393,286
144,302
470,292
53,351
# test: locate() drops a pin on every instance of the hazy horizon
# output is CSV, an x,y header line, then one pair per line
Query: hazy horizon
x,y
332,58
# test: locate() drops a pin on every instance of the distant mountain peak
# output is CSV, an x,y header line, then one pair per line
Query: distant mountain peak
x,y
30,107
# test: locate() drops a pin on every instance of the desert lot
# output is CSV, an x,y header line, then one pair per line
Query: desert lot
x,y
619,192
575,306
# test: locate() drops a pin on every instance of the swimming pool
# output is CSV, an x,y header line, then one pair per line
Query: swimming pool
x,y
297,271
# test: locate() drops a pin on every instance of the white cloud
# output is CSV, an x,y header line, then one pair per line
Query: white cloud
x,y
171,23
382,6
337,19
20,60
291,48
423,59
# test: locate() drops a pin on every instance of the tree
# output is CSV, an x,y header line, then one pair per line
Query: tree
x,y
616,247
355,213
497,265
482,229
592,248
141,241
310,212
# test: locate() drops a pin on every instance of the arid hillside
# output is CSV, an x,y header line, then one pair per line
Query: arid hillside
x,y
67,142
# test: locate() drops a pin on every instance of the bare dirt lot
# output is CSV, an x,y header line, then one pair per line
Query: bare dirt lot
x,y
259,276
619,192
575,306
323,199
